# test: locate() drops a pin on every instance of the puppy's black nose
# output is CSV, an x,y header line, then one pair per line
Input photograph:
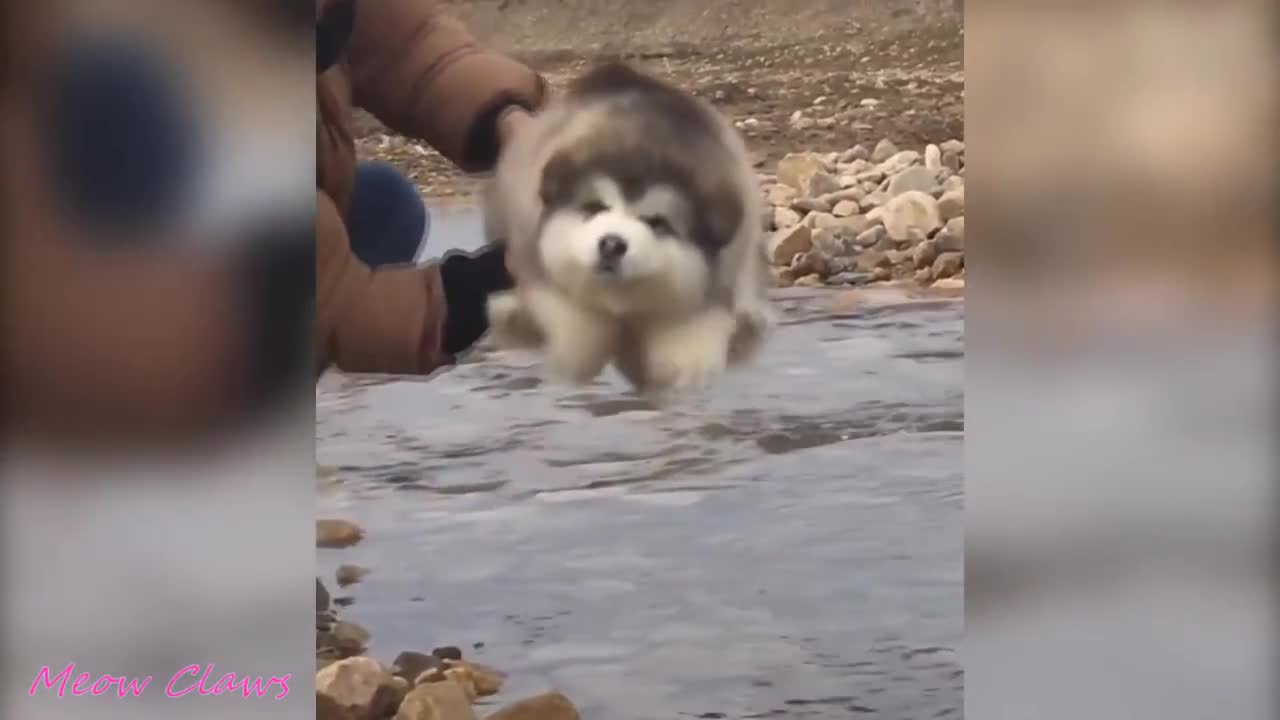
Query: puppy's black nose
x,y
612,247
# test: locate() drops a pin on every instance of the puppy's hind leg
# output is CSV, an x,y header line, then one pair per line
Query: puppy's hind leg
x,y
578,343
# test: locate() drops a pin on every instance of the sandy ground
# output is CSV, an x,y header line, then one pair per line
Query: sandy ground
x,y
861,70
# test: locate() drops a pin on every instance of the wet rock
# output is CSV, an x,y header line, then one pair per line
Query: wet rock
x,y
898,257
785,217
911,209
849,278
813,262
430,675
436,701
924,253
347,575
871,236
464,678
845,208
410,664
448,652
948,264
322,597
549,706
350,638
899,162
869,260
329,709
785,244
951,204
336,534
353,683
487,680
884,150
951,237
913,178
387,698
933,158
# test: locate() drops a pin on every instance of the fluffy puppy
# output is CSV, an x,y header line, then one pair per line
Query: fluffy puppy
x,y
631,212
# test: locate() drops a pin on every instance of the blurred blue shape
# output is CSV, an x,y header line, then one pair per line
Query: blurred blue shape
x,y
123,136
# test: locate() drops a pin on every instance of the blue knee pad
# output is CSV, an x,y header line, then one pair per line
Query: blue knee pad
x,y
386,219
123,138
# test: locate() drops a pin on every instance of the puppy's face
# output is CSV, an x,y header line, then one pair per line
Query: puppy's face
x,y
637,241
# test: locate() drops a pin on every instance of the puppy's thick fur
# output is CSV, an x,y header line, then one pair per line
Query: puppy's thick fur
x,y
633,220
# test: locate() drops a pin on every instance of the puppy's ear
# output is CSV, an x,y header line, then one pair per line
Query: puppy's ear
x,y
722,218
556,184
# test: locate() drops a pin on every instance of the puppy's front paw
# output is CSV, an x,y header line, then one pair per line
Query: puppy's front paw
x,y
688,355
751,327
511,323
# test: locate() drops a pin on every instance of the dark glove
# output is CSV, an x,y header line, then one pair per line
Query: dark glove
x,y
468,280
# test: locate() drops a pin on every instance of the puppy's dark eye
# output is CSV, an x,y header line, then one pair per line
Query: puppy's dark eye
x,y
593,207
659,225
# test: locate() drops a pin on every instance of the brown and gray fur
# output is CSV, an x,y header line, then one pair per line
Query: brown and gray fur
x,y
635,141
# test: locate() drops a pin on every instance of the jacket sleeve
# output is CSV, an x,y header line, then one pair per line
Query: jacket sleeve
x,y
389,320
423,75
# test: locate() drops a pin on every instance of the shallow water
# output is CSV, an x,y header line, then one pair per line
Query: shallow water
x,y
788,544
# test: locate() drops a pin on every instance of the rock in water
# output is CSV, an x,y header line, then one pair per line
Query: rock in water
x,y
448,652
487,681
924,253
947,264
409,664
322,597
329,709
436,701
349,574
349,638
786,244
337,533
911,209
550,706
352,683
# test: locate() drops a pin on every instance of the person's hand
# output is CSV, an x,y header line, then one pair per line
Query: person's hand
x,y
468,280
513,120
